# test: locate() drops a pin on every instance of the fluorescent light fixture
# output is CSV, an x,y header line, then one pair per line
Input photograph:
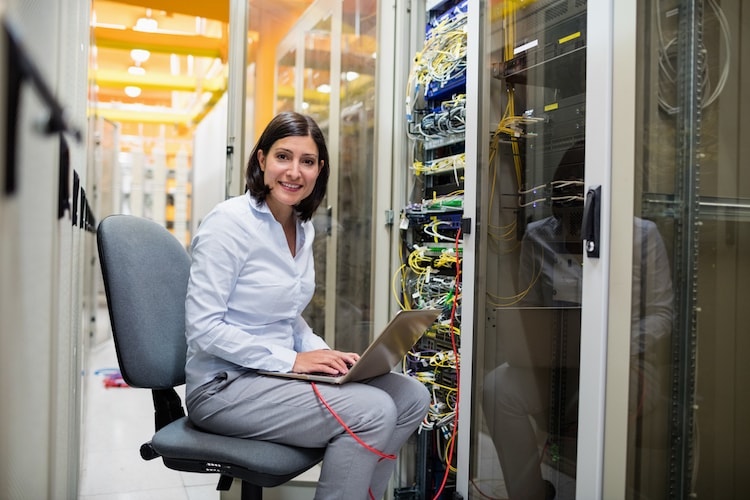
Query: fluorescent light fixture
x,y
112,26
146,24
140,55
174,64
132,91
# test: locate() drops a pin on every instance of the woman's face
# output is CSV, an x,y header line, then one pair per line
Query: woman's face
x,y
290,168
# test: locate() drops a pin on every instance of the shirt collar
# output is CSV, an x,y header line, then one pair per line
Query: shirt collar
x,y
262,207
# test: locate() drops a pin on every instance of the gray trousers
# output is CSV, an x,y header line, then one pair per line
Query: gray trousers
x,y
383,412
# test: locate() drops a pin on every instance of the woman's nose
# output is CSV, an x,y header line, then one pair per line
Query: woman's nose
x,y
294,169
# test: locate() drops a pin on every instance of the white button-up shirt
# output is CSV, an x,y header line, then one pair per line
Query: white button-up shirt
x,y
246,293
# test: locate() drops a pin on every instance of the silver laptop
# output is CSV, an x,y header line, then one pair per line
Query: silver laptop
x,y
384,353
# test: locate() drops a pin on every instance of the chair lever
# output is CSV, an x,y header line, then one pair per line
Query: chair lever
x,y
148,452
225,482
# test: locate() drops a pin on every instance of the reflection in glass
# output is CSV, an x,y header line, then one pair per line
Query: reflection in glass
x,y
285,71
688,428
355,166
534,391
525,436
651,329
316,103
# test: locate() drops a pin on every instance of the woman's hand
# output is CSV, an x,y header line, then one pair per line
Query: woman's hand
x,y
324,361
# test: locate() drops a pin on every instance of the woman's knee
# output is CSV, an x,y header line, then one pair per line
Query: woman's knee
x,y
410,394
495,384
380,412
419,393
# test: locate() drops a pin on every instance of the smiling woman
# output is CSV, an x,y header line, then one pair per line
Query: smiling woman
x,y
252,275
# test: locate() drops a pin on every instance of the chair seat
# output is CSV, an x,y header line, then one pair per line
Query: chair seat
x,y
184,447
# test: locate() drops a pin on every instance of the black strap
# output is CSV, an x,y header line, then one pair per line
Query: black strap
x,y
167,407
21,68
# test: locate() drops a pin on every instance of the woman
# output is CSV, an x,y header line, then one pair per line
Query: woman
x,y
251,277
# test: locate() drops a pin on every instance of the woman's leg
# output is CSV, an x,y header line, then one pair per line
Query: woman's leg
x,y
511,396
412,400
289,411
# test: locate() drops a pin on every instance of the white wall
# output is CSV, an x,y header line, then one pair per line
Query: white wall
x,y
44,279
209,162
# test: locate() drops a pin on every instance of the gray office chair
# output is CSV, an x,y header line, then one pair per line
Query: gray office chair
x,y
145,271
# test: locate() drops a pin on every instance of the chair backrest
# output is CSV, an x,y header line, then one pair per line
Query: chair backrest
x,y
145,271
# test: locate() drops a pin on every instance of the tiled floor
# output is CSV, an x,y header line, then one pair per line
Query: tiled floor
x,y
117,420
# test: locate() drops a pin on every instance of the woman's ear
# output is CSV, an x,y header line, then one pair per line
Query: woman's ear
x,y
261,160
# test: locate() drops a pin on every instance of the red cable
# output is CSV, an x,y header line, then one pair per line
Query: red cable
x,y
454,306
458,380
347,429
351,432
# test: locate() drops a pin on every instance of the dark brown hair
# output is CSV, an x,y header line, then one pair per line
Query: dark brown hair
x,y
288,124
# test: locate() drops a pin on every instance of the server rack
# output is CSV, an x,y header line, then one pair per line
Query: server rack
x,y
431,226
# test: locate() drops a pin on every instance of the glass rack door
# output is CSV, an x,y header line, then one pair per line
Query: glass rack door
x,y
316,102
303,84
328,58
689,408
356,167
525,430
286,80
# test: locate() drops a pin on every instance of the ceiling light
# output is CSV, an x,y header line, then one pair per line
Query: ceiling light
x,y
140,55
174,64
350,76
137,70
324,88
132,91
146,24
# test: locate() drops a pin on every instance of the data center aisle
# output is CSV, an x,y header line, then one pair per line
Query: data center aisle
x,y
116,421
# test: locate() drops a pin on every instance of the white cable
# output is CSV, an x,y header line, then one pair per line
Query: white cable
x,y
668,71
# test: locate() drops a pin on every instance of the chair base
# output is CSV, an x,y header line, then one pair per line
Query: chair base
x,y
249,491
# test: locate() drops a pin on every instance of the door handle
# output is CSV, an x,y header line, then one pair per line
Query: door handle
x,y
591,227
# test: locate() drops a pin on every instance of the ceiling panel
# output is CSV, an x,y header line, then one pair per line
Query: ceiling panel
x,y
188,51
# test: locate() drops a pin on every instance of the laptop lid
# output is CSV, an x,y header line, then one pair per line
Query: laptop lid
x,y
384,353
541,337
